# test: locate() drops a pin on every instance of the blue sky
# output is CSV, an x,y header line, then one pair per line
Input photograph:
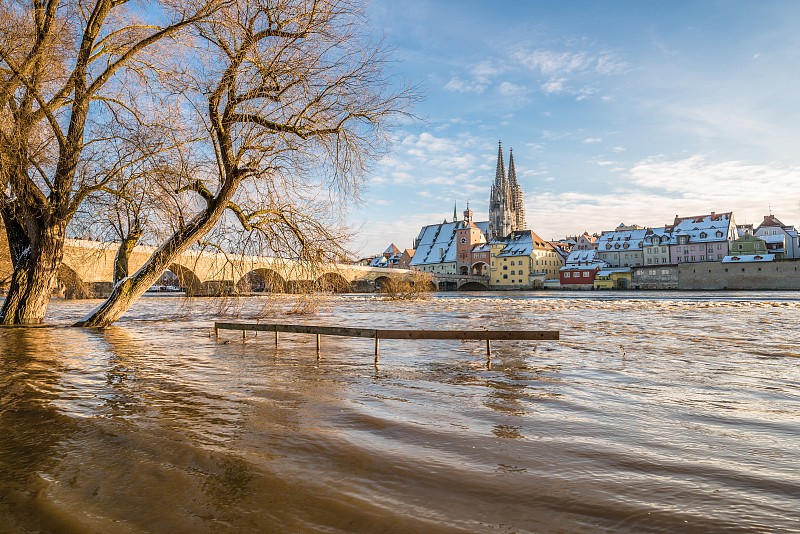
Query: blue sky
x,y
617,112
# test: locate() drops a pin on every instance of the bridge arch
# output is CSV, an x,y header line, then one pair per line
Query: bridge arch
x,y
480,268
70,285
261,280
382,281
187,279
332,282
473,286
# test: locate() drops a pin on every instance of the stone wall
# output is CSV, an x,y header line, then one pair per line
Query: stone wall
x,y
652,277
715,275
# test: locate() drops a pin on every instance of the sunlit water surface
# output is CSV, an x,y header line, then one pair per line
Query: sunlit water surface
x,y
656,412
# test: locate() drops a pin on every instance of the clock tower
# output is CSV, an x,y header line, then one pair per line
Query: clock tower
x,y
467,236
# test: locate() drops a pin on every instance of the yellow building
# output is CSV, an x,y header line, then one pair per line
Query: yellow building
x,y
522,261
613,278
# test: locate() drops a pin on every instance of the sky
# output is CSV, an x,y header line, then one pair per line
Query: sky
x,y
617,112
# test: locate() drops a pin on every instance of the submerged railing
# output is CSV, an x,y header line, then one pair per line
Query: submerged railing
x,y
378,334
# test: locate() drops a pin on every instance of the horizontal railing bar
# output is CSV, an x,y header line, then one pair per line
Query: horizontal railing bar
x,y
394,334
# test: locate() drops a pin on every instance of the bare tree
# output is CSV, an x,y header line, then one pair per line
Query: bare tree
x,y
59,64
297,102
286,98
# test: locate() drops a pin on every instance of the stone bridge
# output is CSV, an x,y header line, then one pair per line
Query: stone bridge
x,y
88,270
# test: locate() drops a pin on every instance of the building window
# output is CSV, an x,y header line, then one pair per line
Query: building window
x,y
586,274
505,276
513,273
566,275
505,267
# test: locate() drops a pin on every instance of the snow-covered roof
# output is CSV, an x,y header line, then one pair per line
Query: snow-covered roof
x,y
380,261
705,228
583,256
583,267
610,271
664,237
523,243
774,238
749,258
436,243
622,240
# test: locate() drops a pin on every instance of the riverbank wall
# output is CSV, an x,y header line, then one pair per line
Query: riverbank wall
x,y
778,275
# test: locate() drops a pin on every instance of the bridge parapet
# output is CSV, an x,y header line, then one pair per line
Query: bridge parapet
x,y
204,272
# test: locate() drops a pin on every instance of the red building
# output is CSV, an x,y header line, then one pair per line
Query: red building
x,y
578,275
580,269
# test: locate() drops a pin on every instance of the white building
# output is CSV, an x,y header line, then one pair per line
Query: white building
x,y
782,240
437,249
622,247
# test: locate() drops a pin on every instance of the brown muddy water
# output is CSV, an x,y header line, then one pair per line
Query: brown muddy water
x,y
656,412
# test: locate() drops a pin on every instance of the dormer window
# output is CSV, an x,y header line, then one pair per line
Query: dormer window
x,y
626,245
703,235
608,246
616,245
719,234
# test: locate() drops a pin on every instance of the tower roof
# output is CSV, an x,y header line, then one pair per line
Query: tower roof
x,y
512,173
500,173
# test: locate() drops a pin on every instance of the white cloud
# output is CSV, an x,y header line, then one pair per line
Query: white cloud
x,y
509,89
487,69
458,85
592,140
551,63
553,86
658,189
567,71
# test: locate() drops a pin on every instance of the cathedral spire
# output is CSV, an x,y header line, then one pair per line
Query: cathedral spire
x,y
512,173
506,202
500,173
455,212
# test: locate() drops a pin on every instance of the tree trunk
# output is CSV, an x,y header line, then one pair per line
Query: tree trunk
x,y
121,260
128,291
34,278
18,240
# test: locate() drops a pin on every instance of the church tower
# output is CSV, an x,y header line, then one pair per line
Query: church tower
x,y
517,200
506,203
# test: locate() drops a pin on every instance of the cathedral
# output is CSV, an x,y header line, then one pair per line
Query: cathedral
x,y
463,246
506,204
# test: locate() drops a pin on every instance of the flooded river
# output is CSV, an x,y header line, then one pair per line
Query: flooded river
x,y
656,412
